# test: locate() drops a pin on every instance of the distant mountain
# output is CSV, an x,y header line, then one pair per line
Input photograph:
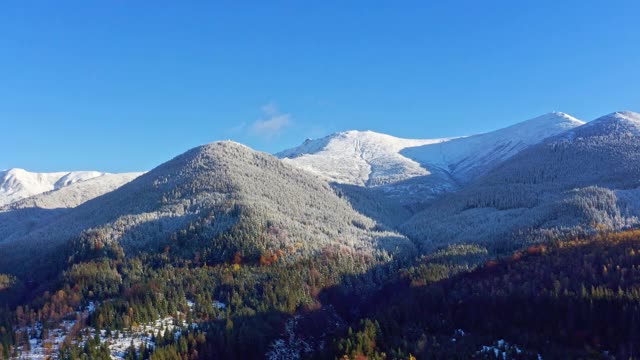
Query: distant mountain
x,y
73,194
369,159
468,157
217,187
21,216
400,176
583,177
17,184
604,152
358,157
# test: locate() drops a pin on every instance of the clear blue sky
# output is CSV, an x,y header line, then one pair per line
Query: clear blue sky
x,y
125,85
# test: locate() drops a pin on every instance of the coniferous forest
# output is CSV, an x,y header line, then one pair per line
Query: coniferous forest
x,y
576,298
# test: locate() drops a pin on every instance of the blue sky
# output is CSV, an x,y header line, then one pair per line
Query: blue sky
x,y
125,85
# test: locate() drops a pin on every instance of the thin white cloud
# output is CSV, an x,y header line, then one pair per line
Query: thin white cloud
x,y
272,122
238,128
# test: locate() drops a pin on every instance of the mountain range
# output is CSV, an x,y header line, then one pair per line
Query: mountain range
x,y
398,182
553,173
370,159
78,186
221,187
481,188
328,234
580,178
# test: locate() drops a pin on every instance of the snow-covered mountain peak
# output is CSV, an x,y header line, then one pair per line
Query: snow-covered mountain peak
x,y
621,117
227,143
533,130
15,171
561,115
17,184
14,174
354,139
358,157
16,179
614,124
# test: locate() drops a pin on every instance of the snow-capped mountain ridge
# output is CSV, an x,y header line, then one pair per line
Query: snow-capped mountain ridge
x,y
368,158
17,184
358,137
73,194
468,157
587,175
358,157
13,180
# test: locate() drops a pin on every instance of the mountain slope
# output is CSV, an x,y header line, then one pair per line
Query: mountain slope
x,y
402,176
603,152
585,176
215,187
358,157
21,216
468,157
555,301
17,184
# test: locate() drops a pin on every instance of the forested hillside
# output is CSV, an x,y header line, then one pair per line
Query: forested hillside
x,y
210,187
585,176
574,299
222,237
